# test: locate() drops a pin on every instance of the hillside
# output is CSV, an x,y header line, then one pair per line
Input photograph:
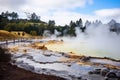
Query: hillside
x,y
6,35
13,35
21,34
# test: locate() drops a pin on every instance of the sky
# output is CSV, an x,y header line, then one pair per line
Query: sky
x,y
63,11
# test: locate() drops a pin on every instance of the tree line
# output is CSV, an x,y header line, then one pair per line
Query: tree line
x,y
10,21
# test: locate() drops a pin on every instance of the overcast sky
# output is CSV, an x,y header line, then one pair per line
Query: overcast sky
x,y
63,11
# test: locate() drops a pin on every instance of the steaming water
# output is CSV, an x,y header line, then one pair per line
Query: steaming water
x,y
82,49
97,41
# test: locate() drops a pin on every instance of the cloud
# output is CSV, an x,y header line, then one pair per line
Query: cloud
x,y
62,11
45,7
64,17
108,14
44,4
105,15
11,4
58,4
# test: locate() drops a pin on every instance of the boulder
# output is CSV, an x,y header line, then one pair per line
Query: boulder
x,y
111,76
96,71
118,74
104,71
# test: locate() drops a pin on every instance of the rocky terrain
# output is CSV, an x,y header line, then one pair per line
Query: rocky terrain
x,y
37,62
12,72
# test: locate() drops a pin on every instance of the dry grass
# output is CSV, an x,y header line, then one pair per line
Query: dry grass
x,y
20,34
6,35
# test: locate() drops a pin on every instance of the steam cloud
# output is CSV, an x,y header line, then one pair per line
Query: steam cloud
x,y
96,41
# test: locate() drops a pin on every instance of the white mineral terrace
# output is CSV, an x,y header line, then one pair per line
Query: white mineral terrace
x,y
53,63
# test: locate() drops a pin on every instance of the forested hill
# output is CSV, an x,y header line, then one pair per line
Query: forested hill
x,y
33,25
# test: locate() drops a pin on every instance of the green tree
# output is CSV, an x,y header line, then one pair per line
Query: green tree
x,y
33,17
3,14
6,14
71,30
3,21
62,30
11,27
51,26
51,23
41,29
34,33
13,15
80,23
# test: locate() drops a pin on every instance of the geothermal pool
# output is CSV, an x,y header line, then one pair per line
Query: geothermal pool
x,y
85,48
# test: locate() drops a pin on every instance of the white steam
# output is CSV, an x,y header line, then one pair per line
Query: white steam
x,y
106,43
96,41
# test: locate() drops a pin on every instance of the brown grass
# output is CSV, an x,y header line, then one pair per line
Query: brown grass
x,y
7,35
26,35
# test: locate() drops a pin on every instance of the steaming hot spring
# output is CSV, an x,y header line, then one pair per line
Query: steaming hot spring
x,y
69,57
97,41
